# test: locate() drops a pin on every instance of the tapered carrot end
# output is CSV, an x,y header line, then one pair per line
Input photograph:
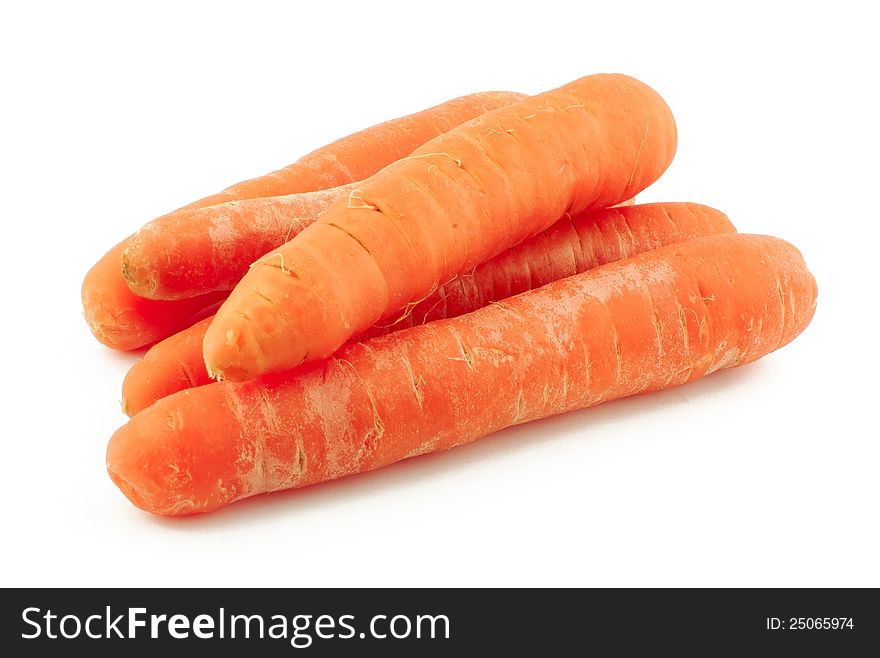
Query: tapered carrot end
x,y
172,464
254,333
231,350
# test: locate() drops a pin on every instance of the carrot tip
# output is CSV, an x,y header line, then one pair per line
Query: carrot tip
x,y
148,496
229,351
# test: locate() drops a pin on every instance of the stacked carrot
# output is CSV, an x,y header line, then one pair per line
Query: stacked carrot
x,y
421,284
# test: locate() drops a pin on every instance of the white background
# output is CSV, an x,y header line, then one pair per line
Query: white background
x,y
767,475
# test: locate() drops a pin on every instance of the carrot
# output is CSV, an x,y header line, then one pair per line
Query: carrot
x,y
171,365
361,154
214,246
656,320
438,213
570,246
119,319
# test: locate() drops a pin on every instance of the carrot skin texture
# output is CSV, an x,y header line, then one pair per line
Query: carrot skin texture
x,y
213,247
361,154
570,246
427,218
657,320
121,320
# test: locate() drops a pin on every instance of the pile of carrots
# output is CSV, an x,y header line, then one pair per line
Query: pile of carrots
x,y
421,284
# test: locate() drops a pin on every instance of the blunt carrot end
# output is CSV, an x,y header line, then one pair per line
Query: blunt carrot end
x,y
123,469
124,321
143,492
132,492
138,279
164,477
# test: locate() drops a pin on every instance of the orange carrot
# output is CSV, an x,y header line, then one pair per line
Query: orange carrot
x,y
214,246
657,320
570,246
361,154
119,319
457,201
171,365
122,320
